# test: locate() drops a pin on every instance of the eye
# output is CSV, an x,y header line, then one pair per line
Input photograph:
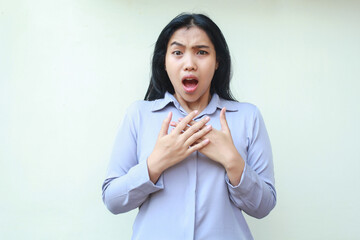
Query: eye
x,y
177,53
202,52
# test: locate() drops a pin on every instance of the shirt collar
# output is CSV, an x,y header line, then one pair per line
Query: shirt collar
x,y
163,102
215,103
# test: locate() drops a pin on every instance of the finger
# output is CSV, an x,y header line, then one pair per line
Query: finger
x,y
198,141
165,125
196,137
187,127
198,146
196,127
190,123
181,126
174,124
223,122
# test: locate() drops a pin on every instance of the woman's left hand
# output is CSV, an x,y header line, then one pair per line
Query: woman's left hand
x,y
222,150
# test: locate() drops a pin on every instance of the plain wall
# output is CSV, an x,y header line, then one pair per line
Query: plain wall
x,y
69,69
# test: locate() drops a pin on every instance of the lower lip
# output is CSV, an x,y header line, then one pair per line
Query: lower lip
x,y
191,88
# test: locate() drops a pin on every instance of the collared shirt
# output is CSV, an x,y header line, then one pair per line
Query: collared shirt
x,y
194,199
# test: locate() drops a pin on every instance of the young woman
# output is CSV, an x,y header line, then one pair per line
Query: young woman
x,y
190,157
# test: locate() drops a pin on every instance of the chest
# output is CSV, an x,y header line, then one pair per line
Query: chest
x,y
149,128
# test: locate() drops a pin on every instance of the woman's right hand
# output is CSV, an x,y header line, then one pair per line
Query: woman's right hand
x,y
174,147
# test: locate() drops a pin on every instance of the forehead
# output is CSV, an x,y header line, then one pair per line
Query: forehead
x,y
190,36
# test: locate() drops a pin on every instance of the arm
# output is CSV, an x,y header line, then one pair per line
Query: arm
x,y
251,182
255,194
127,184
129,181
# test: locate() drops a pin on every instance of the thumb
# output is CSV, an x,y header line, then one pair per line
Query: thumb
x,y
165,125
223,122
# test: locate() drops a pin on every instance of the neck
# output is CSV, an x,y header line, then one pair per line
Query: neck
x,y
200,104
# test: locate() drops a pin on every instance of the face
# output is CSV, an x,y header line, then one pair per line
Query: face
x,y
190,63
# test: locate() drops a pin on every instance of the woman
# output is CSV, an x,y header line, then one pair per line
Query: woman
x,y
191,178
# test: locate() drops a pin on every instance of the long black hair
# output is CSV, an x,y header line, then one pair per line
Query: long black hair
x,y
160,82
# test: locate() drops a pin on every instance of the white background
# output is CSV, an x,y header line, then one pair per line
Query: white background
x,y
69,69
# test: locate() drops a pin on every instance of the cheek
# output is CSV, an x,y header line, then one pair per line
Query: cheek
x,y
171,70
210,73
171,74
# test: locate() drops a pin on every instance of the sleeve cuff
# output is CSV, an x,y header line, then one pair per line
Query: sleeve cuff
x,y
142,182
244,185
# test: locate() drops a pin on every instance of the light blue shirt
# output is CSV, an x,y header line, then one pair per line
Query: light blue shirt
x,y
194,199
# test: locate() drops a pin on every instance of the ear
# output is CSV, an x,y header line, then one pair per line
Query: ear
x,y
217,65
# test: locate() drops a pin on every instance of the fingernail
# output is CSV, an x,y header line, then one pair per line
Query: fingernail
x,y
208,127
196,111
207,118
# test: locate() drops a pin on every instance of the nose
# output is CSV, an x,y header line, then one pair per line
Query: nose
x,y
190,63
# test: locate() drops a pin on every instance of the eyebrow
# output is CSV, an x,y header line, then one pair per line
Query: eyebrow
x,y
182,45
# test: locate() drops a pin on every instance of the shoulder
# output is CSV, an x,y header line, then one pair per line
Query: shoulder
x,y
140,107
135,113
243,108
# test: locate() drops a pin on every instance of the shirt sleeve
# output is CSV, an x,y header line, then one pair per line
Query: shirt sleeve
x,y
127,184
255,194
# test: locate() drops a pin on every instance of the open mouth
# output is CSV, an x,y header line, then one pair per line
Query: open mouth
x,y
190,84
